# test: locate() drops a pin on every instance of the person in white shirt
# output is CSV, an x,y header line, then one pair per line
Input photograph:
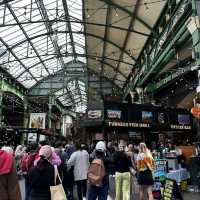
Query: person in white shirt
x,y
80,161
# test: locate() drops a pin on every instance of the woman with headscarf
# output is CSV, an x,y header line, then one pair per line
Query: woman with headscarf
x,y
145,166
41,176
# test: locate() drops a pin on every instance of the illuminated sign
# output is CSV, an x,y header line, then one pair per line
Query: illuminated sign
x,y
180,127
94,114
128,124
114,114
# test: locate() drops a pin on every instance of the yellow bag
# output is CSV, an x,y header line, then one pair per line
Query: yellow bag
x,y
57,191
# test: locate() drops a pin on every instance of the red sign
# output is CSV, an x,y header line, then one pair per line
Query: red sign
x,y
196,112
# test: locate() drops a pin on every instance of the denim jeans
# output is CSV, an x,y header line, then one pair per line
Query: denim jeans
x,y
27,188
69,193
100,192
122,184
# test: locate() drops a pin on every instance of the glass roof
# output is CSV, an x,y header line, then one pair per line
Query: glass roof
x,y
38,39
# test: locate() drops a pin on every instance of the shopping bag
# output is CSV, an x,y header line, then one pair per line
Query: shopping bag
x,y
57,191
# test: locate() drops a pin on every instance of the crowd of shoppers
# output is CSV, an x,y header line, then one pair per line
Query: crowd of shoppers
x,y
36,165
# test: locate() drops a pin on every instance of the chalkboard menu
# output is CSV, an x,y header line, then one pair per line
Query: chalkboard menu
x,y
168,189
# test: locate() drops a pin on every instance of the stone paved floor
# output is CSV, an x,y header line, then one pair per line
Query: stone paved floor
x,y
186,195
191,196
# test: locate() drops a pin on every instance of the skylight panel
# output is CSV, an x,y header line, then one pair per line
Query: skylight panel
x,y
67,59
26,80
79,50
53,65
76,27
82,59
20,3
8,33
13,68
51,6
75,8
35,29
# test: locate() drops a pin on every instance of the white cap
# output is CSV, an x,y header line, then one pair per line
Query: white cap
x,y
100,146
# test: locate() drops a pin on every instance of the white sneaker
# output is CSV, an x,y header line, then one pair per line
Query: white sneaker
x,y
109,198
84,198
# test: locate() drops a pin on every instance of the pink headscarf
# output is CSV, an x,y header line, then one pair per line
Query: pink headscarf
x,y
49,154
46,151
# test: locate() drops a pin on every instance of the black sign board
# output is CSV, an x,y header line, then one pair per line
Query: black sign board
x,y
142,116
171,190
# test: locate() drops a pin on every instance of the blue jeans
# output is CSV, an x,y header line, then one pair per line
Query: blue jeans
x,y
100,192
27,188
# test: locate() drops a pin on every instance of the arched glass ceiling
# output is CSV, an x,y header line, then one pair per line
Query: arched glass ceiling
x,y
38,37
37,40
33,33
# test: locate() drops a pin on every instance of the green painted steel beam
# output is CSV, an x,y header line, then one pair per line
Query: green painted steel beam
x,y
7,87
54,102
161,60
153,87
163,47
166,55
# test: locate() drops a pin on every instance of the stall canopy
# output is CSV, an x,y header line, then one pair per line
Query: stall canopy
x,y
75,39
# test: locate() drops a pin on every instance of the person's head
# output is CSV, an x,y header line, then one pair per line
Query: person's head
x,y
84,147
110,145
78,145
46,152
32,146
142,147
130,147
19,150
100,146
121,147
42,143
59,145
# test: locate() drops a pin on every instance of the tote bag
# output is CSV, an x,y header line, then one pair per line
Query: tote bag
x,y
57,191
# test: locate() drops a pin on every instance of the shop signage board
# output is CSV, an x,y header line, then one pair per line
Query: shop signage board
x,y
94,114
114,114
125,124
142,116
180,127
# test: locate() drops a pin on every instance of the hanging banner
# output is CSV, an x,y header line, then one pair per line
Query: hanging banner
x,y
114,114
94,114
37,120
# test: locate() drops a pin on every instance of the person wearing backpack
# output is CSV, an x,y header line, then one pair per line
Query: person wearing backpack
x,y
98,174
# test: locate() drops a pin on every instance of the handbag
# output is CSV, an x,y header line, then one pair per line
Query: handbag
x,y
57,191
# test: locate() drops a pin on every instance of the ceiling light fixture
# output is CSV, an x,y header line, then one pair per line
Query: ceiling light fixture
x,y
116,14
87,13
